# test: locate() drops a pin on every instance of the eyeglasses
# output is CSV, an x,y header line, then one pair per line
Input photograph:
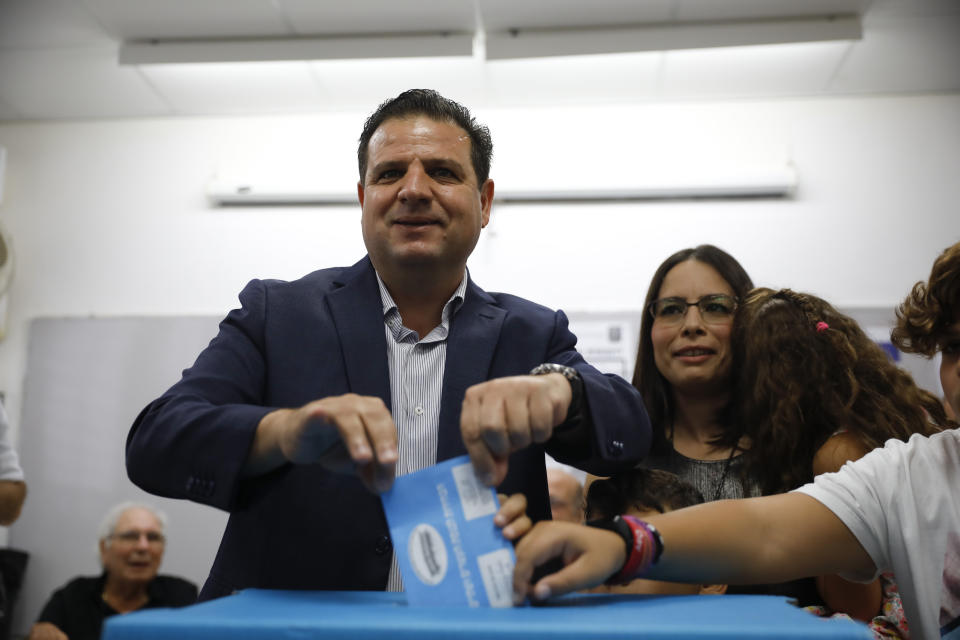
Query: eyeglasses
x,y
133,536
715,308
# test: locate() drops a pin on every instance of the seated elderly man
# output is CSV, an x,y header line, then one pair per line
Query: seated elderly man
x,y
131,549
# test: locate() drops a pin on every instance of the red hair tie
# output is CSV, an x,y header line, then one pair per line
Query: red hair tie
x,y
822,326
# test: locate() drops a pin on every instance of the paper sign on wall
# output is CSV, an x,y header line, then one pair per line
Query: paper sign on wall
x,y
448,549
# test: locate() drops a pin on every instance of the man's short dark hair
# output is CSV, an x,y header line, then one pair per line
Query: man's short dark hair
x,y
427,102
640,489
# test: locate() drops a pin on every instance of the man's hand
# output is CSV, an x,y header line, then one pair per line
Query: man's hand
x,y
504,415
46,631
349,434
590,556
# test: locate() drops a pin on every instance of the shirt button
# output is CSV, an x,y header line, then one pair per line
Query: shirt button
x,y
383,545
418,411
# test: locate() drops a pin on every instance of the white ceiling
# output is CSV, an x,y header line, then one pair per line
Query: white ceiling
x,y
59,58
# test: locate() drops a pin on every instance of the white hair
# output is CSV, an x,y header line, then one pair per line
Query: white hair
x,y
109,522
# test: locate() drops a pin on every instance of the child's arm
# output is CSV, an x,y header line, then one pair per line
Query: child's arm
x,y
759,540
860,601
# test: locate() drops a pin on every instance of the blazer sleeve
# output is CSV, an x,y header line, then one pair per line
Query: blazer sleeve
x,y
612,431
193,441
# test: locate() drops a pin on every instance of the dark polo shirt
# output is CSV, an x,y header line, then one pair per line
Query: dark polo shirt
x,y
78,608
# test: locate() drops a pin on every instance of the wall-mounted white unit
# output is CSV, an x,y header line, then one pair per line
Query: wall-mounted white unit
x,y
742,182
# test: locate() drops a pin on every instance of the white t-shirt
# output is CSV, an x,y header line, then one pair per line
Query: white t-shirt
x,y
9,461
902,502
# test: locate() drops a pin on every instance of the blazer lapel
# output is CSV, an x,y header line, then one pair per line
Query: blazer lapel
x,y
474,333
358,315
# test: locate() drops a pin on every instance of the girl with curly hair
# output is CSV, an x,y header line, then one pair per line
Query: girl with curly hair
x,y
813,391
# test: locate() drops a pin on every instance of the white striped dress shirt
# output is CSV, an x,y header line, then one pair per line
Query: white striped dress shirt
x,y
416,380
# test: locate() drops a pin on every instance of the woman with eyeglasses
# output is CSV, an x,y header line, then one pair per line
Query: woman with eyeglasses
x,y
683,369
131,548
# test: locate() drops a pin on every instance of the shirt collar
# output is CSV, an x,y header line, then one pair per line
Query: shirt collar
x,y
451,307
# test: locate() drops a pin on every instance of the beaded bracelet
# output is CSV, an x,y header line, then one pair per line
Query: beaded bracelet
x,y
643,542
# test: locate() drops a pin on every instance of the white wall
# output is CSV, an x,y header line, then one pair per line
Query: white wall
x,y
109,217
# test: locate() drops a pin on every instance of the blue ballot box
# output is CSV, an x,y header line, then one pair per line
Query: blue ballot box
x,y
360,615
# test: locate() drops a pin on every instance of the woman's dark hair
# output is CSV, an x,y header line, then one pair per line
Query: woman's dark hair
x,y
802,372
642,489
646,377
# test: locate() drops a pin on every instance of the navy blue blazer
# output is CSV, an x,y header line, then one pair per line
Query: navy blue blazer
x,y
301,526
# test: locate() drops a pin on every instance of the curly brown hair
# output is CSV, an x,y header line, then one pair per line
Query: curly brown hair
x,y
803,371
931,307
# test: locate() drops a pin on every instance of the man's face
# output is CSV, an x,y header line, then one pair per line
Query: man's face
x,y
135,548
422,207
950,367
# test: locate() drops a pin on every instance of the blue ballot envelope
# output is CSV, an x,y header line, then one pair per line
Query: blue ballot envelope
x,y
448,549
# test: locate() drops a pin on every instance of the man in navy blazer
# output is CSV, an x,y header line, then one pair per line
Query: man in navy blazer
x,y
286,419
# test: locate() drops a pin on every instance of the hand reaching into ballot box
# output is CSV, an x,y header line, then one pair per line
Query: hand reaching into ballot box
x,y
348,433
590,556
504,415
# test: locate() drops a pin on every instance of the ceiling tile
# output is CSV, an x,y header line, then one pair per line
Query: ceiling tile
x,y
769,70
58,57
146,19
378,16
912,8
236,88
904,54
757,9
363,84
83,82
501,15
31,24
574,79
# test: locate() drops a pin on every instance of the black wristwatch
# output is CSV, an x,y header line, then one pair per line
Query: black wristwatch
x,y
618,526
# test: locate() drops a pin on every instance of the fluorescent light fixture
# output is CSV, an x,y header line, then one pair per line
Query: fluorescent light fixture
x,y
530,43
502,44
424,45
747,182
223,193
